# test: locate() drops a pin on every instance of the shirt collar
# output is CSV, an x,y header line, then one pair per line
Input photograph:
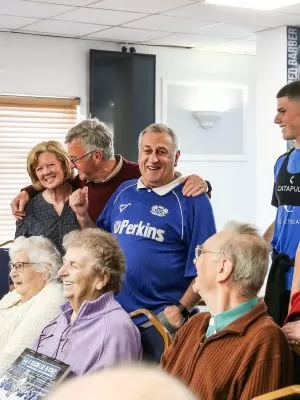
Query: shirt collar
x,y
161,190
225,318
119,165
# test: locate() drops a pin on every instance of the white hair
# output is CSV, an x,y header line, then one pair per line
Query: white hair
x,y
129,382
39,250
249,253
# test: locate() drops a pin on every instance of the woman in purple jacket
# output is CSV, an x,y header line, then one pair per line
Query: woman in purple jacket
x,y
92,331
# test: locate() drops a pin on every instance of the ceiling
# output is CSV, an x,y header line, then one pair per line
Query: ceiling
x,y
183,23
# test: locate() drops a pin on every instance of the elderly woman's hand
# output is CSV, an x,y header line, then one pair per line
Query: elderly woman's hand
x,y
292,332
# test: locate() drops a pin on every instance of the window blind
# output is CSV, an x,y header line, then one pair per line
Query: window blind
x,y
24,122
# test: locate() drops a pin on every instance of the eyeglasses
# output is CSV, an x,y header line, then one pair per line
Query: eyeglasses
x,y
200,250
19,266
75,160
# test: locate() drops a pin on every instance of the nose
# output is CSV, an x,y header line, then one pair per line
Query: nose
x,y
13,272
153,158
71,164
277,119
63,271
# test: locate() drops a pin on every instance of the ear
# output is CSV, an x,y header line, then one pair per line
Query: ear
x,y
177,155
98,155
224,271
102,282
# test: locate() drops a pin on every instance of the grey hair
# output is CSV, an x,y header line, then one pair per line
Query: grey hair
x,y
249,253
106,255
93,135
160,128
39,250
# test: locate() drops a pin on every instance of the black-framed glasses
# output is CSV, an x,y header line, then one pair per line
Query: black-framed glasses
x,y
19,266
75,160
200,250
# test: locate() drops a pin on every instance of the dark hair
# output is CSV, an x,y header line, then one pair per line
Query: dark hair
x,y
291,90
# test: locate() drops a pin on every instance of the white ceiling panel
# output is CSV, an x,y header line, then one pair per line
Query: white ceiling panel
x,y
186,23
143,6
63,28
65,2
236,15
228,30
187,40
30,9
205,12
11,22
266,19
128,35
97,16
168,24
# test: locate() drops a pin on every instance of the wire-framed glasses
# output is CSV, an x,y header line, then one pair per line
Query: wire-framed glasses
x,y
200,250
75,160
19,266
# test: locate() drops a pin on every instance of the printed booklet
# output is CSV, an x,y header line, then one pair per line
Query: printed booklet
x,y
32,376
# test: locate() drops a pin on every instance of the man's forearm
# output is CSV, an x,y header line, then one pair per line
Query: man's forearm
x,y
86,222
190,298
30,190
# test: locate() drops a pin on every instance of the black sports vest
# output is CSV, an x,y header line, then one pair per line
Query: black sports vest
x,y
287,187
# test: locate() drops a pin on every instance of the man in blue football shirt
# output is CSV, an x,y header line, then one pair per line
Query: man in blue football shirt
x,y
284,233
158,229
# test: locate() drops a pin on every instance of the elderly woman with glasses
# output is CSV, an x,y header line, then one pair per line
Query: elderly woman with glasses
x,y
48,213
35,300
92,331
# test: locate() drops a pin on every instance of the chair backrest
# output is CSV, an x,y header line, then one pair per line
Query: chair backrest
x,y
287,393
156,323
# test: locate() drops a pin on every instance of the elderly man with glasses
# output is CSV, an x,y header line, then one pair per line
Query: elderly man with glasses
x,y
100,171
234,351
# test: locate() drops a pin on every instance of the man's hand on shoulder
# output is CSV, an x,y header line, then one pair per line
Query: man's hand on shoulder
x,y
18,204
194,186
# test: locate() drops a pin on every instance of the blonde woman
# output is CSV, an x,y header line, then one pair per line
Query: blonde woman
x,y
48,213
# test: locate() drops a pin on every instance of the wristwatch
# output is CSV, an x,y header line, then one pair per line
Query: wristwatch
x,y
184,311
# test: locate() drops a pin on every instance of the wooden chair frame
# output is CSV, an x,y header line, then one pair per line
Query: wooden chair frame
x,y
156,323
279,394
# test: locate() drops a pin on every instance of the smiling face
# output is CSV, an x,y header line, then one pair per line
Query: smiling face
x,y
288,118
29,281
80,282
87,164
49,171
157,158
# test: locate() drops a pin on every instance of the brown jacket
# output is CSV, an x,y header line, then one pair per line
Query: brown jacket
x,y
251,356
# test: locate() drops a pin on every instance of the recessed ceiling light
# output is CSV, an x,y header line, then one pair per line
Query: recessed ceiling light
x,y
254,4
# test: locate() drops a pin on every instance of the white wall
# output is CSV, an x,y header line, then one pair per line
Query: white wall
x,y
271,72
36,65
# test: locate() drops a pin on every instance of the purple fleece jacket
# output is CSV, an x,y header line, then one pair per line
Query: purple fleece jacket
x,y
102,335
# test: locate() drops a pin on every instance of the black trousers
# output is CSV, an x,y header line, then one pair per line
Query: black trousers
x,y
152,344
277,297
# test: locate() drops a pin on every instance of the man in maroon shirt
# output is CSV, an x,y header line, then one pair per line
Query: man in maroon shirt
x,y
91,152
